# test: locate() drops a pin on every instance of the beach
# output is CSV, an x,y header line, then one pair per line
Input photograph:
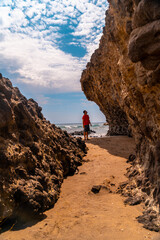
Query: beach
x,y
80,213
99,129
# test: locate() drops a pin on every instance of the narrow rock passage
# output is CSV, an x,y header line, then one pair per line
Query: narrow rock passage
x,y
81,214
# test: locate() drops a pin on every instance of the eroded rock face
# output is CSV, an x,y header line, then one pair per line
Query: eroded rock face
x,y
123,78
102,81
35,155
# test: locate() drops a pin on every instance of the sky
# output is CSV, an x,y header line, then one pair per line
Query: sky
x,y
44,47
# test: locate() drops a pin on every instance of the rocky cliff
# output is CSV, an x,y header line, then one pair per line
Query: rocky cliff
x,y
35,155
123,78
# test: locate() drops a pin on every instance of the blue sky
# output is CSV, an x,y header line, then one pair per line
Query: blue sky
x,y
45,45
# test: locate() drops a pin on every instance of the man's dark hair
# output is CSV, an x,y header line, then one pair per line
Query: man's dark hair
x,y
84,111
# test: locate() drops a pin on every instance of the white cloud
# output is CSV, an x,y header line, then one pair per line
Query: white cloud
x,y
42,64
17,17
30,34
30,12
5,19
5,2
90,20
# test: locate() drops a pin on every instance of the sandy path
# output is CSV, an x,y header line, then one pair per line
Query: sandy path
x,y
81,214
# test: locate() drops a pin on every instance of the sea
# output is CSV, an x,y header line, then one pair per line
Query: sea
x,y
100,128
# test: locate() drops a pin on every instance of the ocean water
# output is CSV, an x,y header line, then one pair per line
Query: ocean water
x,y
99,128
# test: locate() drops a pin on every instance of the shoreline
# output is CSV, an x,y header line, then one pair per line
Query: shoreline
x,y
97,129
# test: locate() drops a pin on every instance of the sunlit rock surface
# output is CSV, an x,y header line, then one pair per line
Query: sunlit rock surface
x,y
123,78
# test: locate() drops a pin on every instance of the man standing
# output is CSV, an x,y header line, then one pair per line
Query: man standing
x,y
86,123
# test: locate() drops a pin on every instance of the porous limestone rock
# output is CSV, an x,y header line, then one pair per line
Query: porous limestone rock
x,y
35,155
123,78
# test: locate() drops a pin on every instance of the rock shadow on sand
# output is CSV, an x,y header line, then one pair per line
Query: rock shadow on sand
x,y
121,146
15,224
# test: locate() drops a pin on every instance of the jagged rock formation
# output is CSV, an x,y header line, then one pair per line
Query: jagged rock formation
x,y
123,78
35,155
102,81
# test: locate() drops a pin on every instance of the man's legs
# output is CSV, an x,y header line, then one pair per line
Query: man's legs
x,y
87,135
86,129
84,135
